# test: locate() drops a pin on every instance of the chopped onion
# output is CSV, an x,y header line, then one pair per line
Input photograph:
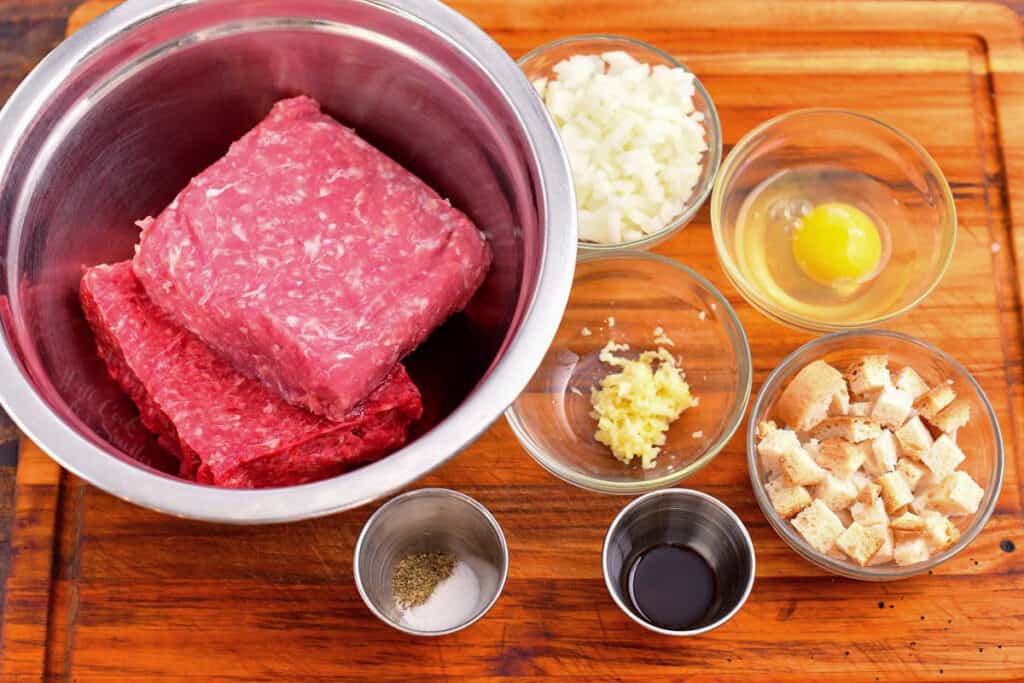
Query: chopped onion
x,y
634,140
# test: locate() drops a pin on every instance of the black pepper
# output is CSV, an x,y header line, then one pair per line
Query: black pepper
x,y
1007,546
417,575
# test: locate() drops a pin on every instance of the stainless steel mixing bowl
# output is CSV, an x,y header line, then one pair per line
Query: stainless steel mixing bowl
x,y
119,117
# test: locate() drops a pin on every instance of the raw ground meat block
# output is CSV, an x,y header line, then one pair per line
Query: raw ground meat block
x,y
228,429
309,259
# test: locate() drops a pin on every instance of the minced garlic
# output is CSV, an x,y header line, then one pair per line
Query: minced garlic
x,y
635,406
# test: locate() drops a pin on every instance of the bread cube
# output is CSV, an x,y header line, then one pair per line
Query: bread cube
x,y
859,480
870,514
943,457
953,417
845,517
939,531
787,498
816,389
842,458
859,543
838,494
892,407
868,375
921,502
819,526
800,467
895,492
884,553
853,429
914,438
860,409
774,444
883,454
765,427
912,472
932,403
957,494
910,551
908,521
909,381
870,493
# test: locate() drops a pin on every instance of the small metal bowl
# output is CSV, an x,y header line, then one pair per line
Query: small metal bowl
x,y
429,520
692,519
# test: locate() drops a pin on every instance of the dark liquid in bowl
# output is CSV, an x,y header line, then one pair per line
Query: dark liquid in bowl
x,y
671,586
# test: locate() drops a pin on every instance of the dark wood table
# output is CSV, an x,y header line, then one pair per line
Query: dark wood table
x,y
28,30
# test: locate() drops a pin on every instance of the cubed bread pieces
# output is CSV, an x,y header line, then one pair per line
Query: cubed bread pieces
x,y
884,553
921,502
845,517
859,543
765,427
869,493
838,494
957,494
800,467
931,404
853,429
914,438
859,480
910,551
811,395
953,417
868,375
840,457
939,531
892,407
895,492
860,409
909,381
787,498
883,454
908,521
912,472
774,444
943,457
819,526
870,514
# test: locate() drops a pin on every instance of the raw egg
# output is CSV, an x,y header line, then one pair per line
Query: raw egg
x,y
836,243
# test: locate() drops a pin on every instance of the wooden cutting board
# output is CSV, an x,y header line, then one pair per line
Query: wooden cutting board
x,y
103,590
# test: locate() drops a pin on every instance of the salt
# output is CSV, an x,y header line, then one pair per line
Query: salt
x,y
453,602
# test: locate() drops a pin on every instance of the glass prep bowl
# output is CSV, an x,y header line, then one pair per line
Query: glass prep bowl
x,y
848,148
540,63
980,440
625,297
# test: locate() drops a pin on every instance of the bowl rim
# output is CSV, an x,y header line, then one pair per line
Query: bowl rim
x,y
523,351
428,492
779,314
739,406
680,493
841,567
713,131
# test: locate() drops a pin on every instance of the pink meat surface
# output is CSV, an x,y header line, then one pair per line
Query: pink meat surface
x,y
310,260
228,429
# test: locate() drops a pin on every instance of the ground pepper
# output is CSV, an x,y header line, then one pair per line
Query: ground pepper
x,y
417,575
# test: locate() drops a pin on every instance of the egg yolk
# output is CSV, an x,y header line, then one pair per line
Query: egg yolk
x,y
836,243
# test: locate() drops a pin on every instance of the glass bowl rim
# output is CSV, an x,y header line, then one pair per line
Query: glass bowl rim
x,y
848,568
740,150
740,346
713,129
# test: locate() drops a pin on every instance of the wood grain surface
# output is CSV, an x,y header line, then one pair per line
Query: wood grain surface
x,y
103,590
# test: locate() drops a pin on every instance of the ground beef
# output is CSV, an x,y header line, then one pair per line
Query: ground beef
x,y
310,260
228,429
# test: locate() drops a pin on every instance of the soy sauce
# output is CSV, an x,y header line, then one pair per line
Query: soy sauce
x,y
671,586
